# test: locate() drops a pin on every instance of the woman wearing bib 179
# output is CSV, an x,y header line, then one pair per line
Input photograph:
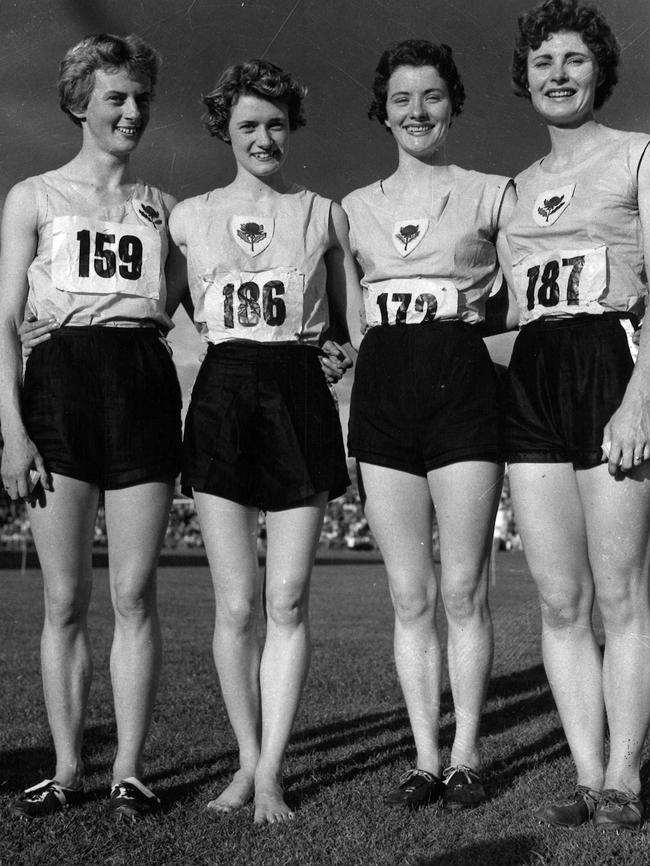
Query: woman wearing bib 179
x,y
99,408
578,411
264,259
423,417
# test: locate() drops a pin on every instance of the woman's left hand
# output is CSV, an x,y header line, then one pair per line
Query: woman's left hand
x,y
626,438
334,361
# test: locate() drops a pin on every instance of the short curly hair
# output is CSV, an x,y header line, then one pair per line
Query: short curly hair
x,y
416,52
109,53
539,24
252,78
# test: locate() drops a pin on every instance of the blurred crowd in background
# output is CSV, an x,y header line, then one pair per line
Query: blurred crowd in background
x,y
344,526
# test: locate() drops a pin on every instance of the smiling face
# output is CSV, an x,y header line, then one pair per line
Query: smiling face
x,y
562,79
418,110
117,113
259,134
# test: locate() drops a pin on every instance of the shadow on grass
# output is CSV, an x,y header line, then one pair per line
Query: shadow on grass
x,y
338,751
506,852
27,765
520,696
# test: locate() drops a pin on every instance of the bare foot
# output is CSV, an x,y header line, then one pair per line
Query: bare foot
x,y
236,795
270,807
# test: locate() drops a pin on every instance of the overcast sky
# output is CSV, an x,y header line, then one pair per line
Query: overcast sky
x,y
332,47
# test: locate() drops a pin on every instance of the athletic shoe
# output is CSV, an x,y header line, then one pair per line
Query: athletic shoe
x,y
132,800
416,789
463,788
46,798
619,810
578,810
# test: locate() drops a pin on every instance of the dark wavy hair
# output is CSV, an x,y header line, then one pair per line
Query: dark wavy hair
x,y
416,52
252,78
109,53
539,24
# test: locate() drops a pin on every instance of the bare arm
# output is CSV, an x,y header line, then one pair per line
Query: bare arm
x,y
341,277
18,240
627,433
502,313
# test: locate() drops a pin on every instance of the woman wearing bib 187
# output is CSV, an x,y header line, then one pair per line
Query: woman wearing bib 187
x,y
423,417
99,408
265,257
578,411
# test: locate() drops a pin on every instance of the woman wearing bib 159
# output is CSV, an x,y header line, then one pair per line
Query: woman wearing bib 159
x,y
99,408
578,410
264,259
423,417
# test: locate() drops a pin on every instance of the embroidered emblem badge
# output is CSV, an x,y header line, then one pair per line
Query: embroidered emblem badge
x,y
551,204
252,234
408,233
147,214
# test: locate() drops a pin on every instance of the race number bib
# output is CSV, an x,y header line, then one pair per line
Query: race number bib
x,y
105,258
263,305
566,281
410,301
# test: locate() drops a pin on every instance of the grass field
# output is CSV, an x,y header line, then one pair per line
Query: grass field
x,y
351,743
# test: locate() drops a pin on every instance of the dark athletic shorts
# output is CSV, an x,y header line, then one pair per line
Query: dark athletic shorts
x,y
567,377
103,405
424,396
262,428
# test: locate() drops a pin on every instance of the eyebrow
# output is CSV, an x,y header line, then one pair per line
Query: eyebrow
x,y
549,56
408,92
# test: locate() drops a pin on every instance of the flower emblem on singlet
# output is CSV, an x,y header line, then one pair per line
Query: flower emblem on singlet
x,y
150,214
407,234
551,204
252,233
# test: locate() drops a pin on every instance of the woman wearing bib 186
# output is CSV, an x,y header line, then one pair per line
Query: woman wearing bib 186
x,y
578,411
99,408
423,417
265,257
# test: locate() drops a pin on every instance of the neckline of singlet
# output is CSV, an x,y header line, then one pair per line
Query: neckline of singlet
x,y
595,151
136,186
443,200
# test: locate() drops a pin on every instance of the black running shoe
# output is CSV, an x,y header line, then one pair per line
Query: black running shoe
x,y
571,813
463,788
132,801
46,798
416,789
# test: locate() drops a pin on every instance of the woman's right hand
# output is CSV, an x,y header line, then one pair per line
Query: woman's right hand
x,y
34,331
23,468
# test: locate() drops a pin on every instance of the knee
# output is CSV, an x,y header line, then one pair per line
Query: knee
x,y
65,607
134,602
287,608
464,598
237,615
622,601
413,603
566,608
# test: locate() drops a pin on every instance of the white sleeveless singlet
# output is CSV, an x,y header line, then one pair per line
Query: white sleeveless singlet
x,y
257,272
575,235
427,262
99,266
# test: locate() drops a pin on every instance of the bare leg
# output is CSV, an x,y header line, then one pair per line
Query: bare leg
x,y
292,537
550,517
136,519
466,497
63,534
400,513
230,537
618,528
